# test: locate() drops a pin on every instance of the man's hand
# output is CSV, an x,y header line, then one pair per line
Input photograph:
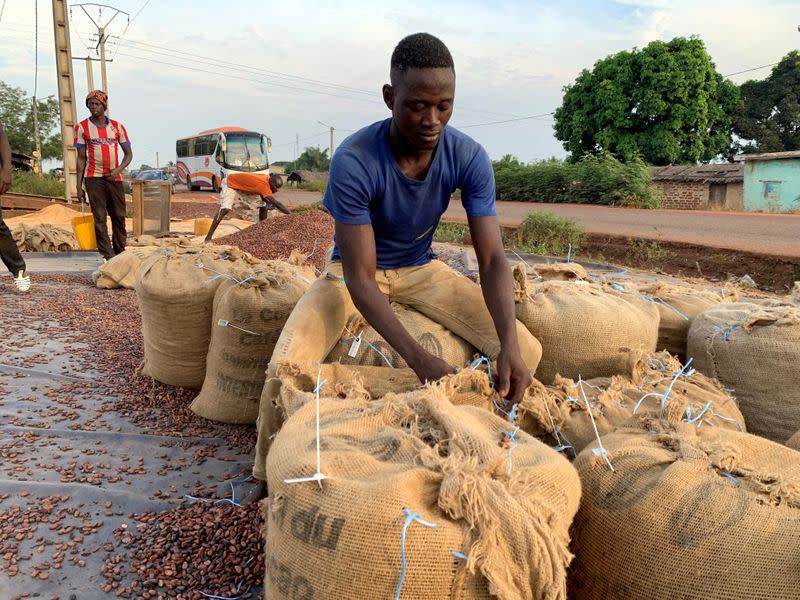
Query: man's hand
x,y
513,376
431,368
112,176
5,181
81,195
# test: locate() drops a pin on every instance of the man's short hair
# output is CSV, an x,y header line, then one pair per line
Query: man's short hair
x,y
420,51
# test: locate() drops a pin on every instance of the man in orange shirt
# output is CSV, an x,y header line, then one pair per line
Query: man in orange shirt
x,y
247,190
96,139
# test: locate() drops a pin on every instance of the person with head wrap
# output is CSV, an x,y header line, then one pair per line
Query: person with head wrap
x,y
97,140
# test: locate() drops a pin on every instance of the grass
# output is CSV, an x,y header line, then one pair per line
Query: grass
x,y
547,234
307,207
647,252
314,186
30,183
451,233
540,233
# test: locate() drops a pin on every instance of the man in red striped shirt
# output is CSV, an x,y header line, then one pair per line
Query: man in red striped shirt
x,y
97,139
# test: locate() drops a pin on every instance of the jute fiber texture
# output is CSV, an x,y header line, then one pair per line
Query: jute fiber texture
x,y
755,350
120,271
301,379
656,384
678,306
374,350
248,317
43,237
561,272
392,462
689,513
585,329
175,289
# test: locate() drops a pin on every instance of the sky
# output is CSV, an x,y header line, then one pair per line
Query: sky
x,y
282,69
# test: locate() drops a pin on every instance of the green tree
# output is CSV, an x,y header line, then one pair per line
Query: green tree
x,y
145,167
16,114
768,117
666,103
312,159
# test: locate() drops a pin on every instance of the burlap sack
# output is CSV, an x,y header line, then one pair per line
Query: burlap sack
x,y
689,513
655,385
442,462
585,329
176,292
678,306
794,441
375,351
247,319
120,271
43,237
756,351
561,272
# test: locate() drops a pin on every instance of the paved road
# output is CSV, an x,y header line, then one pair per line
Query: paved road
x,y
750,232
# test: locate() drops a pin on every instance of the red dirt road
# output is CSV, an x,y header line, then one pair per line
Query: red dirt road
x,y
773,234
749,232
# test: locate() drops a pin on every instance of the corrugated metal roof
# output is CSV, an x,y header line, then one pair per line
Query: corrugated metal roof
x,y
722,173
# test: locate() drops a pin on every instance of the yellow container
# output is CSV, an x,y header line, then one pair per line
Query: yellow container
x,y
84,232
202,225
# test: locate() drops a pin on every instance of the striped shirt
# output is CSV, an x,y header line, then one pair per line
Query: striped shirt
x,y
102,152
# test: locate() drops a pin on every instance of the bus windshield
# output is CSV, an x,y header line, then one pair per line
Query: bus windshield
x,y
245,152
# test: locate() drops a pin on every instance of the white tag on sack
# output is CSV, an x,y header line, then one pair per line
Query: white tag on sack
x,y
599,451
354,347
223,323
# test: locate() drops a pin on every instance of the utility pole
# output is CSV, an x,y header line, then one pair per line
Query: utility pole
x,y
89,75
102,37
66,95
331,127
157,165
296,145
37,162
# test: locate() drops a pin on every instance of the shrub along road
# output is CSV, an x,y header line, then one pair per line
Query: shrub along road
x,y
777,235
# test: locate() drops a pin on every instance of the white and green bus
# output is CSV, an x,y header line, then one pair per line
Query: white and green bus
x,y
203,160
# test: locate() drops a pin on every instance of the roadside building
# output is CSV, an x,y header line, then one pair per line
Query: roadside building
x,y
771,181
701,187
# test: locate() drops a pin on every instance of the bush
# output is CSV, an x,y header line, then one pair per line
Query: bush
x,y
451,233
600,179
546,233
29,183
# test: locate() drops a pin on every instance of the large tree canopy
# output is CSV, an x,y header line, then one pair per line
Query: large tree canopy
x,y
665,103
768,118
16,114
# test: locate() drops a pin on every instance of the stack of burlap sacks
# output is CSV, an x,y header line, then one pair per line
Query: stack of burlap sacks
x,y
678,500
210,317
444,491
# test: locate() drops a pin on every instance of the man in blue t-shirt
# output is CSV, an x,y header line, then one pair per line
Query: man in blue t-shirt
x,y
389,185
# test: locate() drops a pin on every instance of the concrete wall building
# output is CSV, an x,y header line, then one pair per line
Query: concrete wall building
x,y
771,181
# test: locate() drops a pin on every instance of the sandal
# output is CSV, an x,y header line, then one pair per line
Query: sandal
x,y
23,282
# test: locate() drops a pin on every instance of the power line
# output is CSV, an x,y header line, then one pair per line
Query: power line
x,y
280,75
507,120
124,31
269,83
35,48
748,70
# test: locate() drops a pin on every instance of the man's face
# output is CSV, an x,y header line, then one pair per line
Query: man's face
x,y
421,101
95,107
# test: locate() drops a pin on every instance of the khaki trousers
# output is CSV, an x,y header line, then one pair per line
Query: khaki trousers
x,y
318,321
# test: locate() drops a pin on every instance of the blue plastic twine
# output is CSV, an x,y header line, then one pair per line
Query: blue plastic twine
x,y
410,516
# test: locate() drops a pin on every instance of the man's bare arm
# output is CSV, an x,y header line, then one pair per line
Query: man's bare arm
x,y
357,247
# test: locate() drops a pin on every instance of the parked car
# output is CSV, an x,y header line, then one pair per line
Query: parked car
x,y
154,175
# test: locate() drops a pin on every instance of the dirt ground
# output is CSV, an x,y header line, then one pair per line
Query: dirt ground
x,y
773,273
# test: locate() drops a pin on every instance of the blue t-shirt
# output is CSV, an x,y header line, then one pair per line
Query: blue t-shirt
x,y
366,186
